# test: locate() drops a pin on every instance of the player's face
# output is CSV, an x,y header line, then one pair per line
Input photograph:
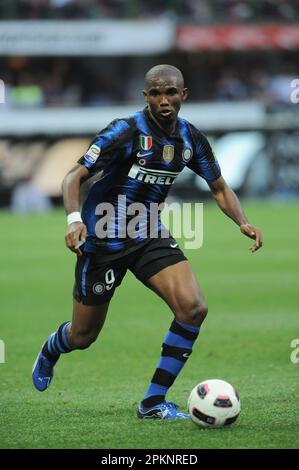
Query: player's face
x,y
164,97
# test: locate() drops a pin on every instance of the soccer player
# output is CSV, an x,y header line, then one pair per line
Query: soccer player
x,y
136,159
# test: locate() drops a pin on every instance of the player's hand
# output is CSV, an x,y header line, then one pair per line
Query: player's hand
x,y
254,233
76,233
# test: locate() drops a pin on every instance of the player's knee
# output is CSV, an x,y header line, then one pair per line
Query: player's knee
x,y
193,313
202,312
82,340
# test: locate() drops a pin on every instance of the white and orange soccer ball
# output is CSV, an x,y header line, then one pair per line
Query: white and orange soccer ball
x,y
214,403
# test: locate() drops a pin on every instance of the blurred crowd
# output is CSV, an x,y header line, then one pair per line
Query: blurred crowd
x,y
63,82
198,11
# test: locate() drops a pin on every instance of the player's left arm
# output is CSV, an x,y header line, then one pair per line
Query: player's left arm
x,y
229,203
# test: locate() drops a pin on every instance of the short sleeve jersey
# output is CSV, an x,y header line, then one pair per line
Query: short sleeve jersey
x,y
134,161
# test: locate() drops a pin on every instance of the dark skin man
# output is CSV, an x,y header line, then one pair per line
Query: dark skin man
x,y
176,284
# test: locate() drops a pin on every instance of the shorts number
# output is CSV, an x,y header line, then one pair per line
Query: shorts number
x,y
109,279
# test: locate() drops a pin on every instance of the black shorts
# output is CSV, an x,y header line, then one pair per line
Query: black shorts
x,y
96,278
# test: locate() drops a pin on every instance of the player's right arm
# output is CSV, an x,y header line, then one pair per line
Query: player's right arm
x,y
76,231
111,144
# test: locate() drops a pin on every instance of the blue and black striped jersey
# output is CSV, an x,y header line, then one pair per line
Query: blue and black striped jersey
x,y
134,161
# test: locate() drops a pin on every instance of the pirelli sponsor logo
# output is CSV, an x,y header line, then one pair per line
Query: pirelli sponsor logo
x,y
148,175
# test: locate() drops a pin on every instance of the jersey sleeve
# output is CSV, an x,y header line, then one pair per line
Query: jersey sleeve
x,y
203,162
113,142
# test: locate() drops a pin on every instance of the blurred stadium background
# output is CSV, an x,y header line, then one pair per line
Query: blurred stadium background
x,y
71,66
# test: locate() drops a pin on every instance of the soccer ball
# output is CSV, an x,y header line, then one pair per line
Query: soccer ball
x,y
214,403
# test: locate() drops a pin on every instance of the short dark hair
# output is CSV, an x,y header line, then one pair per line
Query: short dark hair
x,y
163,70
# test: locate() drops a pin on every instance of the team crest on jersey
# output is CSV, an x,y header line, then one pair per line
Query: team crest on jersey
x,y
168,153
93,153
146,142
187,154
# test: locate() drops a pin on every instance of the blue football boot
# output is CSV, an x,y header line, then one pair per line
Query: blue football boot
x,y
164,410
42,372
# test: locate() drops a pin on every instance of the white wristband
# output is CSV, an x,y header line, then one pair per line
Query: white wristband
x,y
74,217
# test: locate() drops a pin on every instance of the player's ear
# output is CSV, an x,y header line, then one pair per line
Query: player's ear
x,y
145,95
185,93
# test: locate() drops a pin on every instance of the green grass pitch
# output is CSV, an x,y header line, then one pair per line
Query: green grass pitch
x,y
253,317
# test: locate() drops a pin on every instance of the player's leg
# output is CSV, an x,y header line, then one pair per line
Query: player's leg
x,y
177,286
95,283
86,324
80,333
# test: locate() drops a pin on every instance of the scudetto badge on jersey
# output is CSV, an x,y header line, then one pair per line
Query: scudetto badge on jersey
x,y
168,153
146,142
92,154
